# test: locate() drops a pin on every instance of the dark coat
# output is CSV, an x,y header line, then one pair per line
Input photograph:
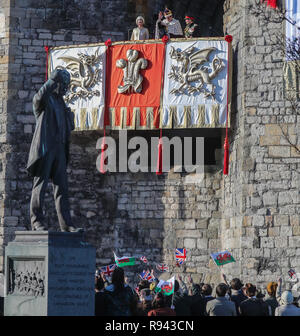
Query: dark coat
x,y
238,297
48,109
120,303
182,303
198,306
100,303
254,307
273,303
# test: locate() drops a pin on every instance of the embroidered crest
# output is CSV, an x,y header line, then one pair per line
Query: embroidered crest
x,y
132,78
190,68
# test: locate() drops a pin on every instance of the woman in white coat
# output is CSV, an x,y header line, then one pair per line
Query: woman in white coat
x,y
140,32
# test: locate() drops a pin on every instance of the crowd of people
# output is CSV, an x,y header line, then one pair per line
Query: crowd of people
x,y
117,298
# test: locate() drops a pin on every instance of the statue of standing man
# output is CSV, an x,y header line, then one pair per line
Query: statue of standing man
x,y
49,151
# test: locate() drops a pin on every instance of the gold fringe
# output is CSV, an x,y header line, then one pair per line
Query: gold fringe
x,y
112,119
201,115
150,118
136,114
187,111
94,115
83,116
172,117
215,110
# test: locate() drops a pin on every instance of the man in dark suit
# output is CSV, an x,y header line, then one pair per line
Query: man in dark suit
x,y
253,306
49,150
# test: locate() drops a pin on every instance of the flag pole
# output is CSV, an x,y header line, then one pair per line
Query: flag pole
x,y
172,305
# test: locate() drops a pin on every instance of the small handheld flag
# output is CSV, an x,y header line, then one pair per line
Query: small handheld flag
x,y
180,255
162,267
124,261
166,287
146,275
222,258
292,274
108,270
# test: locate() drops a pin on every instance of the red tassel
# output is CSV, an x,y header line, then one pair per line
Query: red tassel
x,y
47,56
159,159
226,156
103,160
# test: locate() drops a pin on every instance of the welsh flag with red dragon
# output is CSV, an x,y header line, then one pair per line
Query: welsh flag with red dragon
x,y
222,258
166,287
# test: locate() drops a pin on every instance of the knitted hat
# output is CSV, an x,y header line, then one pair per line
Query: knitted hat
x,y
287,297
140,18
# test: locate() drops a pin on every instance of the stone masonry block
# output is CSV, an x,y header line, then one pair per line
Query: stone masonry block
x,y
202,243
279,151
267,242
294,241
280,220
189,243
270,198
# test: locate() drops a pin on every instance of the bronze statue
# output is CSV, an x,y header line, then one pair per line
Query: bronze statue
x,y
49,151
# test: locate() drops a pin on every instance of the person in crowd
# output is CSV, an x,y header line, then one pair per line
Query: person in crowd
x,y
287,308
100,298
285,300
140,32
271,296
196,297
190,28
160,307
181,300
253,306
143,284
145,303
206,292
221,306
236,294
122,300
169,26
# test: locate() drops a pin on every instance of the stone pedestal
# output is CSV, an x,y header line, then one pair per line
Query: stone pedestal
x,y
49,274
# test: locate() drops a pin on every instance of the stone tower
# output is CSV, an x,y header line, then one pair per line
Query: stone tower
x,y
253,212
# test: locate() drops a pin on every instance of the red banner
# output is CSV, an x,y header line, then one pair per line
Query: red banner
x,y
140,82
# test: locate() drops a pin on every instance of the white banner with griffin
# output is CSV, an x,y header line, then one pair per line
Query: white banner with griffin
x,y
86,94
195,84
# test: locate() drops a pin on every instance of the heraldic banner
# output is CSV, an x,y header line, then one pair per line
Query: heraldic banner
x,y
195,84
86,95
134,85
148,85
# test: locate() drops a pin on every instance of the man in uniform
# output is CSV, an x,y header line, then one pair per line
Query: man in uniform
x,y
190,28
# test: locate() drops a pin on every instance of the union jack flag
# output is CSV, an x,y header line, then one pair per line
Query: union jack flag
x,y
162,267
108,270
144,259
146,275
180,255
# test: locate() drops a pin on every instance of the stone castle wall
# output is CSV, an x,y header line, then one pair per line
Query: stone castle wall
x,y
261,204
253,212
